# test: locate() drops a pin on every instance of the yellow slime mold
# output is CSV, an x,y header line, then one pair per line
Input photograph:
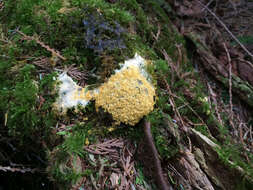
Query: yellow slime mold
x,y
127,95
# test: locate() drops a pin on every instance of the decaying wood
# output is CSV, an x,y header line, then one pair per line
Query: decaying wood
x,y
222,175
240,85
192,172
226,28
201,167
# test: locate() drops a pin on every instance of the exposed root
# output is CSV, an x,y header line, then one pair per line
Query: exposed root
x,y
160,180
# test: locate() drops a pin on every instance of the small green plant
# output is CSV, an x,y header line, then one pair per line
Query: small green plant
x,y
74,144
140,179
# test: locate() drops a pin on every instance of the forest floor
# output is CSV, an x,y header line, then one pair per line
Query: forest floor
x,y
199,134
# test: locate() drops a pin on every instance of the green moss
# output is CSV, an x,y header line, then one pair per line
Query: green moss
x,y
243,88
19,101
65,160
202,129
66,172
19,93
166,145
232,152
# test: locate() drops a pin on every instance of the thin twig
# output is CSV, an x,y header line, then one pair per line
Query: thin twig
x,y
230,81
5,41
105,148
21,170
250,134
190,144
187,105
53,51
207,5
213,97
173,104
1,5
226,28
244,61
156,37
240,132
93,181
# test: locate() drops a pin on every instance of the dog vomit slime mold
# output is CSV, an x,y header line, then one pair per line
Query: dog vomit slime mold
x,y
128,95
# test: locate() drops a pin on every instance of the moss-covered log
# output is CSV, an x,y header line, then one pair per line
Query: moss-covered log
x,y
220,71
192,138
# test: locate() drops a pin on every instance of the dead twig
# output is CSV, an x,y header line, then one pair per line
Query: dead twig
x,y
226,28
250,134
1,5
127,166
53,51
213,97
172,102
173,169
5,41
190,144
156,37
79,184
170,64
107,147
21,170
230,81
207,5
241,133
187,104
93,181
74,72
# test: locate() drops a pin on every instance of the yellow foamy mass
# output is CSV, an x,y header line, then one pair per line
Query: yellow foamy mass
x,y
127,95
